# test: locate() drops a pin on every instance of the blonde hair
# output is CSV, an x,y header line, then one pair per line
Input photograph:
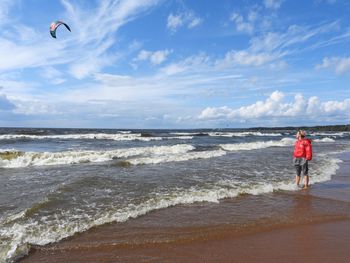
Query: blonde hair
x,y
302,133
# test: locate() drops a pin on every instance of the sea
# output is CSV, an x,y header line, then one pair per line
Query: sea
x,y
56,183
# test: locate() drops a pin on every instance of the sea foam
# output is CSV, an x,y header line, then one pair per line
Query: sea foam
x,y
257,145
242,134
24,159
136,155
92,136
324,140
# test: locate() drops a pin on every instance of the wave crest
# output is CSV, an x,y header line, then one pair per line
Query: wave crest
x,y
257,145
73,157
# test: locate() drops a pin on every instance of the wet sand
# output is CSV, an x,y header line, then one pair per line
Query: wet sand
x,y
304,226
324,242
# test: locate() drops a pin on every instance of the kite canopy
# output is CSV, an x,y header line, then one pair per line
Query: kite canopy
x,y
55,25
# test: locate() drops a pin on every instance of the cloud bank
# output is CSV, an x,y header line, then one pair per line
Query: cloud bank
x,y
277,106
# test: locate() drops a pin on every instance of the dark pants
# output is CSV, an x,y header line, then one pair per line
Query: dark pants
x,y
301,165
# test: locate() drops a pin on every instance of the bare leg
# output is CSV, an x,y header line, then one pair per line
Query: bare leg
x,y
297,180
306,181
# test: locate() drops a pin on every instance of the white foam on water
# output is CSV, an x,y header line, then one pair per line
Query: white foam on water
x,y
241,134
145,155
257,145
21,235
26,159
340,134
324,140
125,136
140,155
122,136
177,157
265,144
186,133
325,171
179,137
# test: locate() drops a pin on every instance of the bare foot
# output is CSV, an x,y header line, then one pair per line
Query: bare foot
x,y
306,187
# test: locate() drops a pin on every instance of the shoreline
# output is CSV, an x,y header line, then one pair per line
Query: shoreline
x,y
316,242
312,220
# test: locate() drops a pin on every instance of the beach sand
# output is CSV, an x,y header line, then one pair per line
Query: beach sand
x,y
304,226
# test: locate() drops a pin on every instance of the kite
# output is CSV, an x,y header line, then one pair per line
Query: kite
x,y
55,25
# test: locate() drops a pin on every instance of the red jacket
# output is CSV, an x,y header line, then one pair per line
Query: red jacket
x,y
303,149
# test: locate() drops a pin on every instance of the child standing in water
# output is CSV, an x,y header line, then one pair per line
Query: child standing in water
x,y
302,155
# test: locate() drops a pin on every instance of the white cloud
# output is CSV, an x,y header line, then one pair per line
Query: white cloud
x,y
182,79
90,64
135,45
242,25
252,22
188,19
84,51
174,21
22,55
273,47
155,57
244,58
36,107
15,87
288,43
53,75
273,4
153,95
105,19
340,65
5,6
275,106
194,63
5,103
97,33
195,21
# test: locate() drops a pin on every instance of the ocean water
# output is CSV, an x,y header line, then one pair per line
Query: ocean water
x,y
55,183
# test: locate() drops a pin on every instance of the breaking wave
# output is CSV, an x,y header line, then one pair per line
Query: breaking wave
x,y
136,155
340,134
15,159
242,134
257,145
177,157
122,136
226,134
324,140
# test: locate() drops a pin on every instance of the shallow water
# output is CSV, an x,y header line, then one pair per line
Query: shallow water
x,y
56,182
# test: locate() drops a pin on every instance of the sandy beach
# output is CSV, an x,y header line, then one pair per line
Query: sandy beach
x,y
172,131
306,226
319,242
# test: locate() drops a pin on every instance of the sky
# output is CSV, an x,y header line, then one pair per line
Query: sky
x,y
174,63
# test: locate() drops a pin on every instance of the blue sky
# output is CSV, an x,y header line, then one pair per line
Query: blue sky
x,y
174,64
